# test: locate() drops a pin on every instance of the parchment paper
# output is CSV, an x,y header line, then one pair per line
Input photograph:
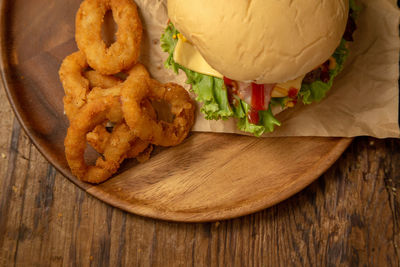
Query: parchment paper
x,y
363,101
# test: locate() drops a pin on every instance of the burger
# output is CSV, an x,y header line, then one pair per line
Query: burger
x,y
244,59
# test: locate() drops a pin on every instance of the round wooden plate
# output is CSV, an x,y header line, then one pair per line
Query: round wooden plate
x,y
208,177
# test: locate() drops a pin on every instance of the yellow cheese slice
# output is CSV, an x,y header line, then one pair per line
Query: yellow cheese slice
x,y
186,55
282,89
279,92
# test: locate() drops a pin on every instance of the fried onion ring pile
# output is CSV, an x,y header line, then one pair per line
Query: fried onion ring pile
x,y
111,113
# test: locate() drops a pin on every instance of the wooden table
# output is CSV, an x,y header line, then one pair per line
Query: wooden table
x,y
349,216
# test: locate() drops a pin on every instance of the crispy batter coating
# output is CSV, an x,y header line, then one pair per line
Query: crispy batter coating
x,y
138,87
76,86
123,53
97,79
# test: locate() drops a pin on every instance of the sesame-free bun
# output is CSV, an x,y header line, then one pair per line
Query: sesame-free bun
x,y
263,41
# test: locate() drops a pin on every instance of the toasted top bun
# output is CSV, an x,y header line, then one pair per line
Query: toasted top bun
x,y
262,41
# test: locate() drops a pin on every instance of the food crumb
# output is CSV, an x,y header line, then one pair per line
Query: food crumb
x,y
15,189
3,156
372,142
394,189
91,258
59,215
217,224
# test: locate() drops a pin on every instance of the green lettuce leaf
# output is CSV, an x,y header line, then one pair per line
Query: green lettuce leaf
x,y
316,91
355,8
279,101
211,91
266,123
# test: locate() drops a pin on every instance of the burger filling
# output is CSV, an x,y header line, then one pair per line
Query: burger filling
x,y
252,104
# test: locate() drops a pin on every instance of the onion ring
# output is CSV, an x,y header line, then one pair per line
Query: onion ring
x,y
86,120
76,87
99,138
118,145
145,155
116,115
105,85
97,79
123,53
77,83
138,87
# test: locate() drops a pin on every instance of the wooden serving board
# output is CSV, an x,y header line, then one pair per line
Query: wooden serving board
x,y
208,177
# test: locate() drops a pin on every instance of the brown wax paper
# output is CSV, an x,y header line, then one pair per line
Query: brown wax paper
x,y
363,101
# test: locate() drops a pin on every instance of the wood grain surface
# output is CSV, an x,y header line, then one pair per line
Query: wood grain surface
x,y
348,217
208,177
